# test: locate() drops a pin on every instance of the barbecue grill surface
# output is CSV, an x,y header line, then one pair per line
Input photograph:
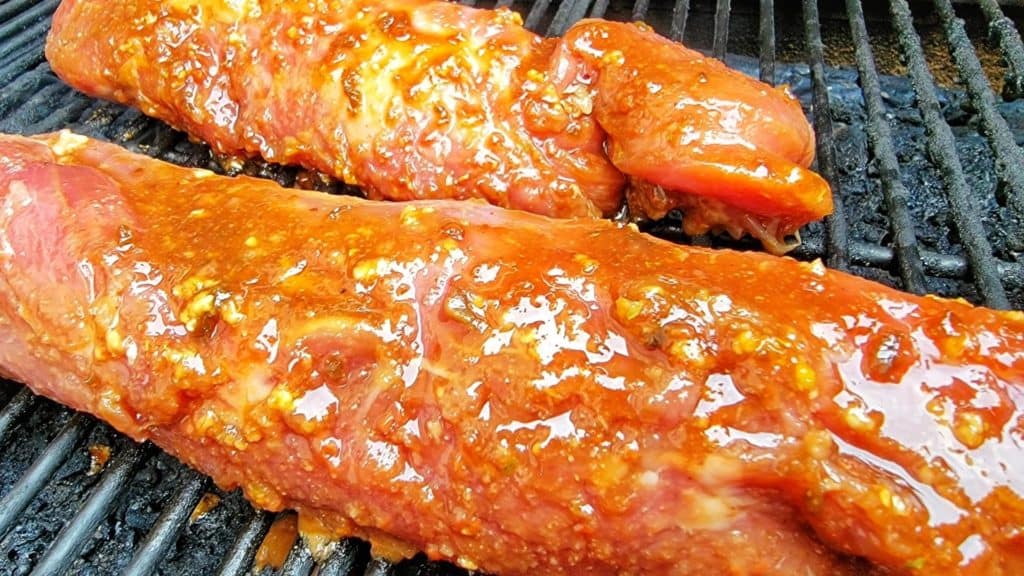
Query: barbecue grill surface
x,y
921,144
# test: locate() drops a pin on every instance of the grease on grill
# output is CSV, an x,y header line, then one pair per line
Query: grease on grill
x,y
99,455
206,504
277,543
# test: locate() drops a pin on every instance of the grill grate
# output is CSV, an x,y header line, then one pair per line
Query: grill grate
x,y
837,251
930,197
908,258
942,146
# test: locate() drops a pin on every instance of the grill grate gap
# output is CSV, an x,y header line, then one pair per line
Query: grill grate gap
x,y
905,240
13,411
567,13
942,146
19,62
837,252
126,126
1010,43
346,560
35,109
378,567
935,264
35,479
170,523
11,7
31,35
766,39
96,120
299,562
640,10
1009,157
26,18
537,12
721,42
14,94
680,11
239,558
72,107
64,550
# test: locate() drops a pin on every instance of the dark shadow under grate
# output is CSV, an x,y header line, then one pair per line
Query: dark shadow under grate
x,y
929,181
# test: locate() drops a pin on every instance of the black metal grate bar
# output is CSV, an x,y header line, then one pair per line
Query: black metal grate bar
x,y
170,523
300,561
540,7
35,108
680,12
13,411
27,18
20,61
239,558
12,7
503,4
62,553
902,225
96,118
721,42
600,7
346,560
935,264
837,253
156,138
34,479
640,10
14,95
32,35
766,40
1009,157
942,147
378,567
72,107
1010,42
567,13
126,126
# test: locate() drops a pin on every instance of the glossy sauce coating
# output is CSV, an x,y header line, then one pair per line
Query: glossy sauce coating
x,y
509,392
408,99
730,151
415,99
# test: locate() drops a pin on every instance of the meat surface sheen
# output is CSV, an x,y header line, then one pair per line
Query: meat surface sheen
x,y
406,98
419,99
730,151
509,392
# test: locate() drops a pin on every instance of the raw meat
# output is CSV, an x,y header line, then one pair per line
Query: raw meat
x,y
510,392
416,99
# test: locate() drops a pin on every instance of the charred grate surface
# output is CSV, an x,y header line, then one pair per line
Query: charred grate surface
x,y
926,167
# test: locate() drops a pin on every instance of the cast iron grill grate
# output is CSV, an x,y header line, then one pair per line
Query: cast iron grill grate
x,y
927,168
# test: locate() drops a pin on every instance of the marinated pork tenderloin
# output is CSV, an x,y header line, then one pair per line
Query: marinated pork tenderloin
x,y
509,392
428,100
730,151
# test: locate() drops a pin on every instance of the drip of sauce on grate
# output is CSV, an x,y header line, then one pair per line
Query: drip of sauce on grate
x,y
277,543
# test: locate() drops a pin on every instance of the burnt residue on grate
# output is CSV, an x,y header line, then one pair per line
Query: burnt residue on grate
x,y
915,142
